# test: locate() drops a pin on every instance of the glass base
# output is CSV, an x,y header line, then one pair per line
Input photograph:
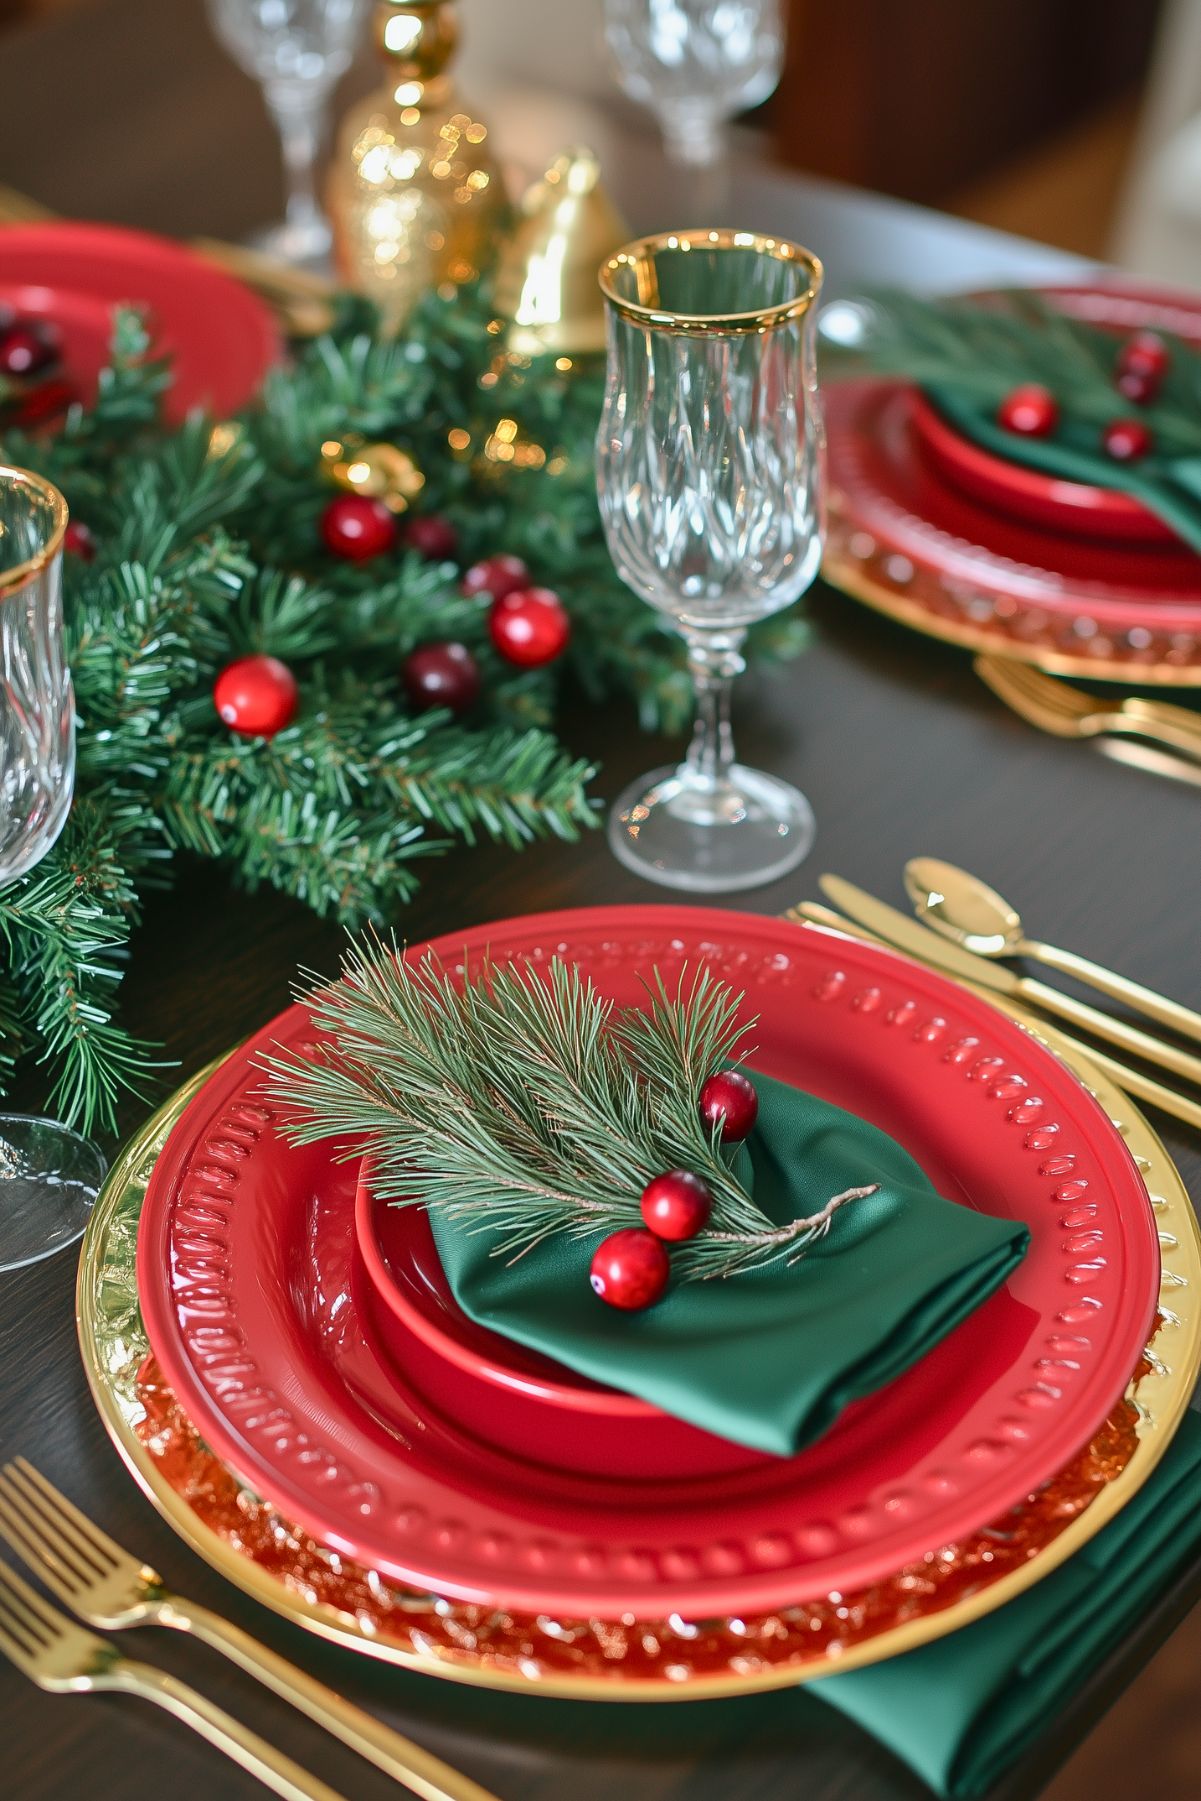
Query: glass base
x,y
304,243
49,1180
743,832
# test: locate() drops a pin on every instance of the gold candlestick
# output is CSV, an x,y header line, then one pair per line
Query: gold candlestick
x,y
415,196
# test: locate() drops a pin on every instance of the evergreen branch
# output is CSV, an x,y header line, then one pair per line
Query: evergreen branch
x,y
525,1105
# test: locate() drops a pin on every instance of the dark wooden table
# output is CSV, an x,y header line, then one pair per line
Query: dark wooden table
x,y
900,750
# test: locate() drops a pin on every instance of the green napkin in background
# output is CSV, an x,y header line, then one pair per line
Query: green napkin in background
x,y
1169,487
962,1710
769,1358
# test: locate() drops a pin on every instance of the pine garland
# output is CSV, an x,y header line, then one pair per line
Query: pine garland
x,y
209,549
530,1108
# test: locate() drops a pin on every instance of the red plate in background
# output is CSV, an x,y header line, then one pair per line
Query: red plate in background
x,y
245,1260
220,336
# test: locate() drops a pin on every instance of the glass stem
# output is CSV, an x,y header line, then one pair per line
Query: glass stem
x,y
299,111
714,659
692,133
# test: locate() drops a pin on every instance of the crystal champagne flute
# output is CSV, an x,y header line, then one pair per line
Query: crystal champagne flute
x,y
709,474
695,63
297,50
49,1176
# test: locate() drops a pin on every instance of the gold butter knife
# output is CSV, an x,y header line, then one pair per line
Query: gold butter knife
x,y
922,943
1144,1088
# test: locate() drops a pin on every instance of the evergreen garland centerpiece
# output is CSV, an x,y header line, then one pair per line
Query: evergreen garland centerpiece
x,y
318,643
1017,374
527,1106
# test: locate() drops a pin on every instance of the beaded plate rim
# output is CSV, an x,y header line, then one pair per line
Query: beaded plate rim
x,y
1160,1396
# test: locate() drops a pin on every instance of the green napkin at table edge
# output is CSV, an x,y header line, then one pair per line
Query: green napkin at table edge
x,y
767,1358
960,1711
1169,487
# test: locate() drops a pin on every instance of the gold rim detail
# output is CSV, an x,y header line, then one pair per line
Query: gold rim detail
x,y
22,573
646,312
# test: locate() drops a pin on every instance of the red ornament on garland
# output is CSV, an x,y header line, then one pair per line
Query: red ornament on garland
x,y
256,696
530,628
729,1098
676,1205
28,346
442,675
432,537
630,1269
79,541
1142,363
1137,385
1126,440
356,527
496,577
1031,411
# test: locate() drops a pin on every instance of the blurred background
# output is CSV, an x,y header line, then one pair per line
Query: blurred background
x,y
1077,122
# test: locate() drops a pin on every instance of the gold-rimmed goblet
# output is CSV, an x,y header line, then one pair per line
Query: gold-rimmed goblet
x,y
709,474
49,1176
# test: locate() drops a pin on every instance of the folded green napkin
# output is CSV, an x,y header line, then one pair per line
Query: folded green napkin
x,y
768,1358
961,1710
1168,486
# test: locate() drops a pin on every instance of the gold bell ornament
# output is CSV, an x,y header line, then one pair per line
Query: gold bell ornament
x,y
384,472
415,197
545,288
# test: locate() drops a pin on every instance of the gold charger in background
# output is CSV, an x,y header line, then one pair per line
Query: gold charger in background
x,y
662,1660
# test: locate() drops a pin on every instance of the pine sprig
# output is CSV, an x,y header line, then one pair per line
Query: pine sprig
x,y
527,1106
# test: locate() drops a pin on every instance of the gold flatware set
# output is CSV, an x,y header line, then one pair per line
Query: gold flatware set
x,y
105,1586
962,927
1155,735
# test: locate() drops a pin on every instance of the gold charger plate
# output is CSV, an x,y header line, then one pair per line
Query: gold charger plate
x,y
631,1659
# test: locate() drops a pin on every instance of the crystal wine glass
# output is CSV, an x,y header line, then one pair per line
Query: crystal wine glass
x,y
695,63
709,473
49,1176
297,50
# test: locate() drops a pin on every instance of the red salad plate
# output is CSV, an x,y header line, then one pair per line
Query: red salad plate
x,y
220,336
967,548
246,1277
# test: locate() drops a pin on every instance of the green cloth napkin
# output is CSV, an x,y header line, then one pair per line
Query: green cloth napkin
x,y
961,1710
768,1358
1169,487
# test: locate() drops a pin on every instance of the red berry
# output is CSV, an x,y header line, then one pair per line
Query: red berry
x,y
630,1269
677,1205
496,576
432,537
1031,411
256,696
1126,440
1145,351
1139,385
357,527
730,1098
78,541
29,346
530,628
442,675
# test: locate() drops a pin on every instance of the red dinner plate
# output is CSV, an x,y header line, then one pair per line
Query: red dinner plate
x,y
220,336
246,1254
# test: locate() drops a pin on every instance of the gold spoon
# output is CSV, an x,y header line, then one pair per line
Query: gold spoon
x,y
966,910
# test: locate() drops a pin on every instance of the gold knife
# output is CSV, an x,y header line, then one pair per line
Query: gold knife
x,y
922,943
1144,1088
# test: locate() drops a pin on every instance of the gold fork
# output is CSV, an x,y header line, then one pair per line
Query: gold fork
x,y
1055,707
60,1656
107,1587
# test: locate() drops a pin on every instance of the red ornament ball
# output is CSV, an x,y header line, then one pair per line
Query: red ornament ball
x,y
529,628
1145,350
1031,411
729,1098
630,1269
443,674
432,537
256,696
1137,385
78,541
496,577
356,527
677,1205
1126,440
28,346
